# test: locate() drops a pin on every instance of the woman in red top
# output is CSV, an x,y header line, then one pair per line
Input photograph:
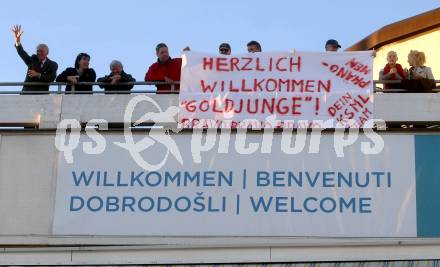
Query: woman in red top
x,y
392,71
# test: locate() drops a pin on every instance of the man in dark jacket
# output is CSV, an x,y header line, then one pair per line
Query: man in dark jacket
x,y
40,68
115,78
166,69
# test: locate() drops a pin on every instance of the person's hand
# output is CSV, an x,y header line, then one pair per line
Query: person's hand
x,y
393,71
168,80
73,79
115,78
186,49
418,76
16,29
33,73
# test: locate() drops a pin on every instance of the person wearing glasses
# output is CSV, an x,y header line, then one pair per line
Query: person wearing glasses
x,y
224,49
80,73
40,68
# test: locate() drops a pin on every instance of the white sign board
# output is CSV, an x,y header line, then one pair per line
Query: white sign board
x,y
234,194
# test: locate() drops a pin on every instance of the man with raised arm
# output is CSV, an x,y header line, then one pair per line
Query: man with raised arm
x,y
40,68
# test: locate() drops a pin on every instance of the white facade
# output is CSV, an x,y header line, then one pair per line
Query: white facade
x,y
28,163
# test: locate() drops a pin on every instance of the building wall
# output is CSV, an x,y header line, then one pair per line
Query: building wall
x,y
28,163
428,42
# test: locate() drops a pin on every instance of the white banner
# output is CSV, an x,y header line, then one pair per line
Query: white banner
x,y
229,190
308,86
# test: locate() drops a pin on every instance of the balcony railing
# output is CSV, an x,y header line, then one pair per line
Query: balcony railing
x,y
44,110
60,86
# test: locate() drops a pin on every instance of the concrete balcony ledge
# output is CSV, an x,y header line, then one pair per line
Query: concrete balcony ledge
x,y
46,111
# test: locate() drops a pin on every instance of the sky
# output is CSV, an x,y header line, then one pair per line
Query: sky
x,y
128,30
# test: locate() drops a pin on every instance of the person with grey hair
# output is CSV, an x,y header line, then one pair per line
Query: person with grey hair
x,y
40,67
116,79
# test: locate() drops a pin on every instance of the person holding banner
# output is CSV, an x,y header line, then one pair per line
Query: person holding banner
x,y
166,69
254,46
224,49
332,45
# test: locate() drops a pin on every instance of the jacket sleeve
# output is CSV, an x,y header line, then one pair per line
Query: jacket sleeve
x,y
429,74
153,75
23,54
50,73
92,75
127,78
104,79
178,69
62,78
89,76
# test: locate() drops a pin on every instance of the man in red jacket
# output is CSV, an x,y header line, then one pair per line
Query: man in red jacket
x,y
165,69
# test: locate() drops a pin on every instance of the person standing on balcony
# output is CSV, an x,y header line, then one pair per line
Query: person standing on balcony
x,y
392,71
420,77
40,68
80,73
332,45
116,79
224,49
418,70
253,47
166,69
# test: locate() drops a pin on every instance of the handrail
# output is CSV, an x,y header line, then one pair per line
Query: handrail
x,y
382,90
83,83
61,84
